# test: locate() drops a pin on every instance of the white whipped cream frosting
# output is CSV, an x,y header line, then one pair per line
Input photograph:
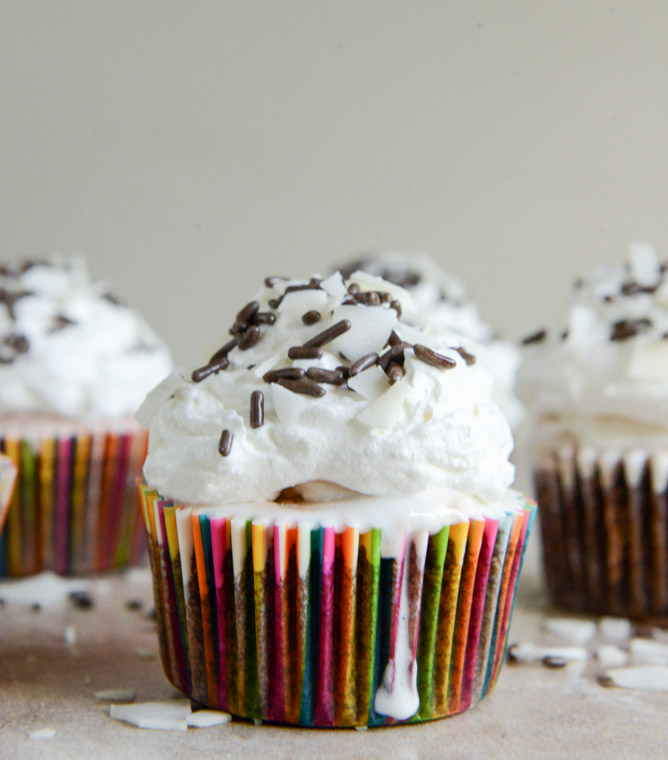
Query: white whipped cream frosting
x,y
443,303
608,363
434,428
68,348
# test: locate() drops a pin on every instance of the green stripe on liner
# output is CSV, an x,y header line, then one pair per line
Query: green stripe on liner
x,y
431,596
383,633
366,601
252,682
310,679
30,546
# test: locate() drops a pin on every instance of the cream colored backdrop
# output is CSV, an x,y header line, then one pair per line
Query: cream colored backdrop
x,y
189,148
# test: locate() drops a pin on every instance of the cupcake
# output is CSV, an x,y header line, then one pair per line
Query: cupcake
x,y
442,303
75,365
597,393
332,535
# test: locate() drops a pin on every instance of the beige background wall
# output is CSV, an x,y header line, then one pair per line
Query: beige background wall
x,y
190,148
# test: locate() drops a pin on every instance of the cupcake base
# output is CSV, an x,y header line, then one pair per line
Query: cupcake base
x,y
308,625
604,523
74,508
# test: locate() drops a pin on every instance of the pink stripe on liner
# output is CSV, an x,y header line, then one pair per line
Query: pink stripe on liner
x,y
219,549
276,695
477,611
62,510
323,714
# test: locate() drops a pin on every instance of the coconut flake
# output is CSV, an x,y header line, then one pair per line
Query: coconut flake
x,y
644,677
611,656
334,285
644,264
615,629
165,716
300,301
371,383
42,733
384,412
288,405
571,630
207,718
648,652
530,653
122,695
370,328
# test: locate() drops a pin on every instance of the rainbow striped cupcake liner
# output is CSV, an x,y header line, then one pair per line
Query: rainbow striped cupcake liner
x,y
74,509
309,625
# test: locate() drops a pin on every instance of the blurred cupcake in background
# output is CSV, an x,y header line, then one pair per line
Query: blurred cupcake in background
x,y
596,390
333,538
75,364
442,303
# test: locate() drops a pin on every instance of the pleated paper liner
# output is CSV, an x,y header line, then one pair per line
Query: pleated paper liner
x,y
7,479
605,530
75,507
308,625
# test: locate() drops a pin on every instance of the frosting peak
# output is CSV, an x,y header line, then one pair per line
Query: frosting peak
x,y
322,380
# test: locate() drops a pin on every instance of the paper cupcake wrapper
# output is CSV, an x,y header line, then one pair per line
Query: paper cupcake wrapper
x,y
604,523
309,625
7,480
75,507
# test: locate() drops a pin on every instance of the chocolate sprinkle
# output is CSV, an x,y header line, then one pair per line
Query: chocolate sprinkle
x,y
394,353
394,372
305,352
311,317
363,363
396,305
271,282
394,339
328,335
249,338
431,357
224,350
537,337
248,312
303,386
264,318
629,328
199,374
225,444
9,299
287,373
257,409
466,356
329,376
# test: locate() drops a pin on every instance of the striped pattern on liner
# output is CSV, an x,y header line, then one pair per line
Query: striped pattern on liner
x,y
75,507
309,625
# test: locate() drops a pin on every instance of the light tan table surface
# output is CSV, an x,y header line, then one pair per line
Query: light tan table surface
x,y
47,683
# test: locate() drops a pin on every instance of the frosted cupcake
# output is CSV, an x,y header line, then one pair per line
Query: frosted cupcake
x,y
597,391
442,303
74,366
333,538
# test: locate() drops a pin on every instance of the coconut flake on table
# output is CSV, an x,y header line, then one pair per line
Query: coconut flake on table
x,y
571,630
45,590
530,653
648,652
207,718
42,733
642,677
611,656
164,716
614,629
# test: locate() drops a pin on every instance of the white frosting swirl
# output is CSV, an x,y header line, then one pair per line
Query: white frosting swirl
x,y
610,361
433,428
68,348
442,303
